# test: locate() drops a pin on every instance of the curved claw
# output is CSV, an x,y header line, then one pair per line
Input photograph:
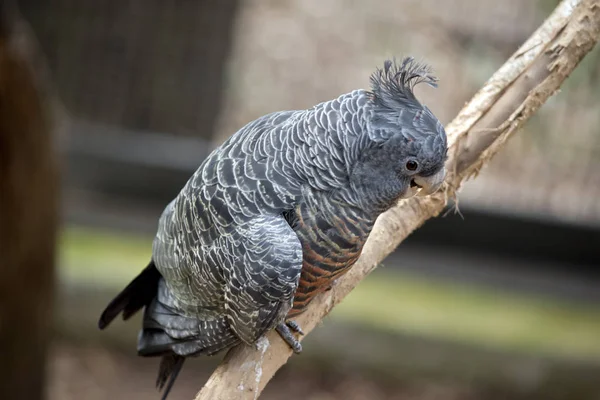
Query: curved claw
x,y
295,327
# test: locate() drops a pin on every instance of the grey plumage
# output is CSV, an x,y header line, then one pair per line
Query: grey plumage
x,y
277,212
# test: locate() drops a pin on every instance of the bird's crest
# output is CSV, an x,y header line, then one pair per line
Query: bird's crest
x,y
393,85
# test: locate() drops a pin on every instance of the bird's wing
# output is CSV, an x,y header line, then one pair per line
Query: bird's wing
x,y
264,270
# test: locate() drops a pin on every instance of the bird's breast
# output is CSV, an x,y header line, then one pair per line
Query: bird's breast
x,y
332,241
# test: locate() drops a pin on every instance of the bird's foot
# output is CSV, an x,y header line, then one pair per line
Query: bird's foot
x,y
285,331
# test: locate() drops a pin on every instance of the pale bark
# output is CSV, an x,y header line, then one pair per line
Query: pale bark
x,y
500,108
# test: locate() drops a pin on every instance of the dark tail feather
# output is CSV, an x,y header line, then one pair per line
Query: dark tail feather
x,y
136,295
170,365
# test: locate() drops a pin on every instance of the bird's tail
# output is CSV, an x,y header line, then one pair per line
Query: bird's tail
x,y
137,294
169,368
165,332
173,336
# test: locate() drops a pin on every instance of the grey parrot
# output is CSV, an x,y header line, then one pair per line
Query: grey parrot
x,y
276,213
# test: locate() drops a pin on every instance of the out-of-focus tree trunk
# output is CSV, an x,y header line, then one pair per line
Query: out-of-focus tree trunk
x,y
28,214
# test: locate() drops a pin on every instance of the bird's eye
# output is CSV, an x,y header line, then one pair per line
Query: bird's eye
x,y
412,165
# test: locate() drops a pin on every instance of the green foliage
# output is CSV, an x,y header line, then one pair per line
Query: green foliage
x,y
105,257
473,314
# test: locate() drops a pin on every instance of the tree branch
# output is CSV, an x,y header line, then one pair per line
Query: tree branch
x,y
513,94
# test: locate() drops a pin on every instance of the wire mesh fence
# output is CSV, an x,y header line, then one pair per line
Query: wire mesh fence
x,y
142,65
204,69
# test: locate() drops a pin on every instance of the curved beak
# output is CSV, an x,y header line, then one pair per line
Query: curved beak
x,y
429,184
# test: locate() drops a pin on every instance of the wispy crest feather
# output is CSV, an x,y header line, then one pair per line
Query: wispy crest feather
x,y
394,84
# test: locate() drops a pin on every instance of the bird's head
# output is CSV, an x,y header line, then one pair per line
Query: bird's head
x,y
406,144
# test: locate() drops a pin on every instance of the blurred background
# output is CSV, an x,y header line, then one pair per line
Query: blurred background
x,y
501,301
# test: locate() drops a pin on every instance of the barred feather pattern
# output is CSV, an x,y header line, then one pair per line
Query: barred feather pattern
x,y
223,245
332,239
274,215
